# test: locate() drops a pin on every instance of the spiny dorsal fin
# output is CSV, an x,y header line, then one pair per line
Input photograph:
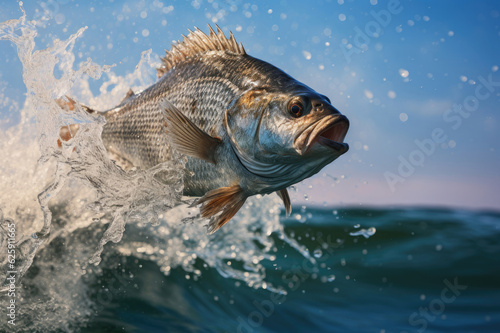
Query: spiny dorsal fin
x,y
198,42
129,94
220,205
188,138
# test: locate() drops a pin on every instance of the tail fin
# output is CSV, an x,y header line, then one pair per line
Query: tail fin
x,y
66,133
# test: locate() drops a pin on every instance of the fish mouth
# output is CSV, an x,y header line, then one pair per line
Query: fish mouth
x,y
328,132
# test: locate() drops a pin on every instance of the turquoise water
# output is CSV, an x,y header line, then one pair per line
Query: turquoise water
x,y
432,270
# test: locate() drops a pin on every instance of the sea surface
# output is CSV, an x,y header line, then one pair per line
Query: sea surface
x,y
433,270
370,270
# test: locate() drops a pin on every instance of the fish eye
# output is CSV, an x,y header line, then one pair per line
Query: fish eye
x,y
296,109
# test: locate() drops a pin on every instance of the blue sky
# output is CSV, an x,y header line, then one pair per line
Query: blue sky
x,y
430,56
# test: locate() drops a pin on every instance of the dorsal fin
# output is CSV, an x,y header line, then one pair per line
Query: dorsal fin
x,y
129,94
198,42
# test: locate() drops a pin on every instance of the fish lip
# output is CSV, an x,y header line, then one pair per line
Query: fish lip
x,y
334,134
329,132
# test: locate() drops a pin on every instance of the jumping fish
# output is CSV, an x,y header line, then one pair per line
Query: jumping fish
x,y
245,126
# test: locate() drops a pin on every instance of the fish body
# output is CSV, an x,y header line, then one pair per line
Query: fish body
x,y
245,126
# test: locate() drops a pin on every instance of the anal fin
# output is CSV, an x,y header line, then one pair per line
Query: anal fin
x,y
188,138
283,194
220,205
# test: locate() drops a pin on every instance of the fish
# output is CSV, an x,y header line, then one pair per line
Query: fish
x,y
245,126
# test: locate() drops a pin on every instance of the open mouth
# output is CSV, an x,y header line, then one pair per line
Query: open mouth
x,y
333,136
329,132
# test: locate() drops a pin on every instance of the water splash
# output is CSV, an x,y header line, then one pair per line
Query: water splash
x,y
88,192
366,233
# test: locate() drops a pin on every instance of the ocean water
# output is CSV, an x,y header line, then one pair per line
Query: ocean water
x,y
431,270
101,250
423,270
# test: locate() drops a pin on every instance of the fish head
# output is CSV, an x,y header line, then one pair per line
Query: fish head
x,y
290,132
318,128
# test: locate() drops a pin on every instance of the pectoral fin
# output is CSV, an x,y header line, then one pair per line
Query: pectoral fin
x,y
188,138
283,194
221,205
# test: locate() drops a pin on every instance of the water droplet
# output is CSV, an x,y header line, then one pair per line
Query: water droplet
x,y
367,233
60,18
318,253
368,94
